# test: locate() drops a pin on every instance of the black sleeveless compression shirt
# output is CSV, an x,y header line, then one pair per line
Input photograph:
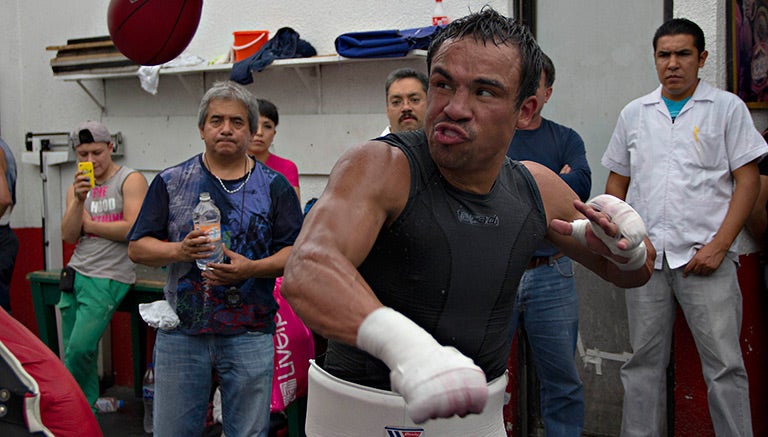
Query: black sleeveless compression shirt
x,y
451,262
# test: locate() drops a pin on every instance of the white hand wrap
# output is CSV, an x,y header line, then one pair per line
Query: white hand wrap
x,y
435,381
579,230
630,224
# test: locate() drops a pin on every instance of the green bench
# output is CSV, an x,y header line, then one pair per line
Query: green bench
x,y
45,296
148,288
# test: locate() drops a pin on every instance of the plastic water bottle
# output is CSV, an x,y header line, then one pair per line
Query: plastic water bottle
x,y
148,393
108,404
438,17
208,218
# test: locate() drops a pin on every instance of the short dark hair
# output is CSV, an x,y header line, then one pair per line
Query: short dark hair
x,y
405,73
269,110
548,68
681,26
488,26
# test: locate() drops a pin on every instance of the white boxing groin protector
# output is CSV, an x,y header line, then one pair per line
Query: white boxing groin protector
x,y
630,224
338,408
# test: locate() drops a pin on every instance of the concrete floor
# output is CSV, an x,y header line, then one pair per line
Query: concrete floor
x,y
128,420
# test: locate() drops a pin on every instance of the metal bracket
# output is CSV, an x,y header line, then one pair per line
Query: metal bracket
x,y
305,75
193,88
102,106
596,356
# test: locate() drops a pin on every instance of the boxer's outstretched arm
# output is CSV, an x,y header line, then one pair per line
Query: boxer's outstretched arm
x,y
624,257
367,190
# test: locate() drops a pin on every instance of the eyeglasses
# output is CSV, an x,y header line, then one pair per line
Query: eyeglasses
x,y
412,101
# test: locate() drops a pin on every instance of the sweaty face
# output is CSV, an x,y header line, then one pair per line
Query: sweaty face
x,y
677,65
226,131
262,139
100,154
471,106
406,105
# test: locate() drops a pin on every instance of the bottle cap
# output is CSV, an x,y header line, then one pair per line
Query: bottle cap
x,y
204,196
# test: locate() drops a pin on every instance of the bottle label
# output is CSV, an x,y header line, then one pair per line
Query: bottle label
x,y
148,393
213,230
441,20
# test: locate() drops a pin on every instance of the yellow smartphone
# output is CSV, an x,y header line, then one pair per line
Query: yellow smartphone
x,y
87,168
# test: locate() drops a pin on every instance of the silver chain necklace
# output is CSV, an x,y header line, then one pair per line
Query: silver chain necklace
x,y
247,176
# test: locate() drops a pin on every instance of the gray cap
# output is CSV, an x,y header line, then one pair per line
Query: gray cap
x,y
90,131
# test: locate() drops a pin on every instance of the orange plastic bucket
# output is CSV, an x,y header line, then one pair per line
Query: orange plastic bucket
x,y
248,42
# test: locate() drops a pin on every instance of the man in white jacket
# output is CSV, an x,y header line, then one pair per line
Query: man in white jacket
x,y
685,157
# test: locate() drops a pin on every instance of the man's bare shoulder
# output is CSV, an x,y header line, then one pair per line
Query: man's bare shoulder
x,y
375,172
556,195
376,148
371,159
540,173
135,186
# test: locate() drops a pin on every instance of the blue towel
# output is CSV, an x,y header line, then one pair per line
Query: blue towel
x,y
285,44
384,43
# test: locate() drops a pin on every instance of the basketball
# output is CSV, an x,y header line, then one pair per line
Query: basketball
x,y
152,32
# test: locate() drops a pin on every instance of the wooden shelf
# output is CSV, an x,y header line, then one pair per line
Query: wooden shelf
x,y
314,61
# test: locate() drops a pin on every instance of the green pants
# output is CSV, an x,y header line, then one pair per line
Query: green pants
x,y
85,314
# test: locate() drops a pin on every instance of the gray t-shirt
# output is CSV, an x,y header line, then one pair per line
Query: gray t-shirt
x,y
100,257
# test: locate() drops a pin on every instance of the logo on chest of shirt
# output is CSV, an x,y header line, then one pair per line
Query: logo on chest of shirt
x,y
103,208
397,431
470,218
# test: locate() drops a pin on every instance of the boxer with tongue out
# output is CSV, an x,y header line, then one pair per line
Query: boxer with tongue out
x,y
411,272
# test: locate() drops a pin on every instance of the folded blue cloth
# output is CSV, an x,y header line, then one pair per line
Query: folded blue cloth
x,y
384,43
285,44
